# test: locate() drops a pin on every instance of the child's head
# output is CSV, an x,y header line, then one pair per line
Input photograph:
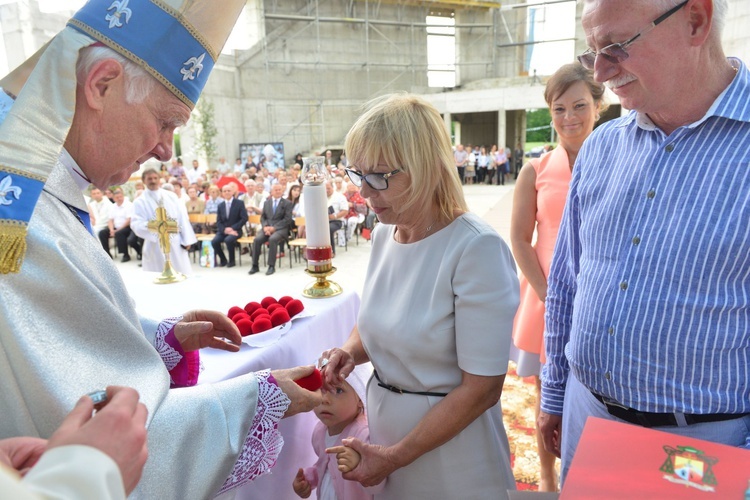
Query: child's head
x,y
342,406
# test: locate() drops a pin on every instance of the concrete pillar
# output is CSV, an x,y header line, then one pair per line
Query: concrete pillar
x,y
447,121
501,126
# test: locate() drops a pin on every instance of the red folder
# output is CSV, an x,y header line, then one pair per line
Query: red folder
x,y
616,460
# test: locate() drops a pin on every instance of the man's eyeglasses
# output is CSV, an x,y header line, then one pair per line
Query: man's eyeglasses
x,y
376,181
617,52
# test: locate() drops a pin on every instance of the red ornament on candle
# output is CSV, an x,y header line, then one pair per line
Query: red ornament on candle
x,y
318,253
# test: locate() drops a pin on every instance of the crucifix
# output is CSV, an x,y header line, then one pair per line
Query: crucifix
x,y
164,227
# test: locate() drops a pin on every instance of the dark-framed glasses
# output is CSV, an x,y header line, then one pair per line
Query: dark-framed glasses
x,y
618,52
375,180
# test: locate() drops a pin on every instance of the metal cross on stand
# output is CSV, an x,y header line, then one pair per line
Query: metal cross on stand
x,y
164,227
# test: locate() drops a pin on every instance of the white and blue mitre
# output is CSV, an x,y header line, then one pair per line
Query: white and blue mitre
x,y
176,41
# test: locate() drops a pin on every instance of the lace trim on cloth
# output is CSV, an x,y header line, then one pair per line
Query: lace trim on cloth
x,y
264,441
169,354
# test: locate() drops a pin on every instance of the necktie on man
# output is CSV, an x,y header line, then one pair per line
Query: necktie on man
x,y
275,204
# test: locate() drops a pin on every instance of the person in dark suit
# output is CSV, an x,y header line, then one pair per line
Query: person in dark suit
x,y
275,220
229,224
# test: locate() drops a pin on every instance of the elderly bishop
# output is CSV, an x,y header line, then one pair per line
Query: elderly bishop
x,y
103,98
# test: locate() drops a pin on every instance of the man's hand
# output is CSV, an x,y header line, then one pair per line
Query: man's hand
x,y
199,329
301,485
21,453
119,430
302,399
550,428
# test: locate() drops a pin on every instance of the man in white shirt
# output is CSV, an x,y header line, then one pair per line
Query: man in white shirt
x,y
99,209
195,171
118,227
338,207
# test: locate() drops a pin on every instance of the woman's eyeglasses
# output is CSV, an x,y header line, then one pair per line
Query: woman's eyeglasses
x,y
618,52
376,181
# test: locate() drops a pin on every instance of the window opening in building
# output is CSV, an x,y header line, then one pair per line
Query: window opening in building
x,y
441,49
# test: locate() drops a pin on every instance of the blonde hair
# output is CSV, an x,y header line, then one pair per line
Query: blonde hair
x,y
407,133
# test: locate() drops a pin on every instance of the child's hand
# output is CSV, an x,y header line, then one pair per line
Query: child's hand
x,y
347,458
301,485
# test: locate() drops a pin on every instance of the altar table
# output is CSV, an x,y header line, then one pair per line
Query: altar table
x,y
330,326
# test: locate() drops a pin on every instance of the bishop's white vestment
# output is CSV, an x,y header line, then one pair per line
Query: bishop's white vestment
x,y
68,327
144,210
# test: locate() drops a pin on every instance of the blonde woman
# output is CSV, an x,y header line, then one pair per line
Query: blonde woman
x,y
434,323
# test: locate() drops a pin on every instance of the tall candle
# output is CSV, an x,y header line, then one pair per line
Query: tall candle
x,y
316,215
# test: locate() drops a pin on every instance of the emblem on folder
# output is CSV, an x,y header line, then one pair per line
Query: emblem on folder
x,y
690,467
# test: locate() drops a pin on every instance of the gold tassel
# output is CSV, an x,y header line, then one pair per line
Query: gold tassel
x,y
12,246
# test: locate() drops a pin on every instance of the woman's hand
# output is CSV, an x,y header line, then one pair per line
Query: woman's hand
x,y
376,462
335,365
199,329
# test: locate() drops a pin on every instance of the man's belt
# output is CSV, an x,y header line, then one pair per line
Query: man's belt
x,y
648,419
393,388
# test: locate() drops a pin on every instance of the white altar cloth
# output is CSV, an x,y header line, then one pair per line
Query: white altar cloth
x,y
332,322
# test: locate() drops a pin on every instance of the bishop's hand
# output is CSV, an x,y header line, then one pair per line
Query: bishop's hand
x,y
199,329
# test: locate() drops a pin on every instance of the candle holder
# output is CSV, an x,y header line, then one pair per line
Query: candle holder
x,y
321,288
318,252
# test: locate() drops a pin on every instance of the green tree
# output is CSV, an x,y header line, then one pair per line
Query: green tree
x,y
205,130
538,125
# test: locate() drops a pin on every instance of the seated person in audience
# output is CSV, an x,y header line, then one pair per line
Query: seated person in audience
x,y
357,209
194,204
231,218
257,199
91,455
276,221
337,210
118,227
99,210
342,415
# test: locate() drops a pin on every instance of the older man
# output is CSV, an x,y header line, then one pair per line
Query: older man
x,y
231,219
67,325
648,306
275,221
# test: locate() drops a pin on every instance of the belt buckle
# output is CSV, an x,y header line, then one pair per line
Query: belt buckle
x,y
611,402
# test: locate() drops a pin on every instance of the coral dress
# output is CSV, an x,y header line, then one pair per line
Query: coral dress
x,y
552,181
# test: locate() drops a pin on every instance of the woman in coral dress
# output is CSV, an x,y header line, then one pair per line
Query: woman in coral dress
x,y
574,100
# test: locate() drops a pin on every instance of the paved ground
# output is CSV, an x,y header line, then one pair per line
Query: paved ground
x,y
493,203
